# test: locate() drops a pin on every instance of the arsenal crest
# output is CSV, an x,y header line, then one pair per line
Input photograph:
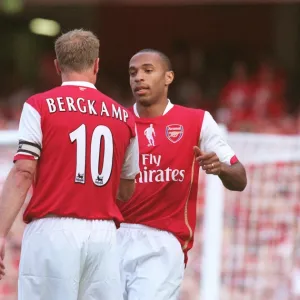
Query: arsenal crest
x,y
174,132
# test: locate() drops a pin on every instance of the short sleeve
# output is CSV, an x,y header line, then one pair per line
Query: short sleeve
x,y
131,162
30,134
212,140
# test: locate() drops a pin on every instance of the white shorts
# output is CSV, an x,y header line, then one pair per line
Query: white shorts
x,y
152,263
69,259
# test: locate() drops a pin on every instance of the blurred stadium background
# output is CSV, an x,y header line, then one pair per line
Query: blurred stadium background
x,y
238,59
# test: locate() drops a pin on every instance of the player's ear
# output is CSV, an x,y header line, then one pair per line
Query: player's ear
x,y
169,77
57,67
96,66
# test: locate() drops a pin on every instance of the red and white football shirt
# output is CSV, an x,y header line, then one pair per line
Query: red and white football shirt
x,y
84,142
166,190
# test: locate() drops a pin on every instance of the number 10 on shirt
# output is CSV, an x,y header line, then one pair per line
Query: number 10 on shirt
x,y
101,134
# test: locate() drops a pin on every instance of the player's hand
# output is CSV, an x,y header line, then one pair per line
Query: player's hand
x,y
2,253
209,162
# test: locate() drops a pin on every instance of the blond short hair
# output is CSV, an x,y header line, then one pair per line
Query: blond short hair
x,y
77,50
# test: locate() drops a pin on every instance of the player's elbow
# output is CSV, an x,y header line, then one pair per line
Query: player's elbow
x,y
126,189
22,174
236,185
25,170
243,179
241,183
234,177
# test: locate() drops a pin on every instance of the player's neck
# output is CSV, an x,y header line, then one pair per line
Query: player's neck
x,y
77,77
153,111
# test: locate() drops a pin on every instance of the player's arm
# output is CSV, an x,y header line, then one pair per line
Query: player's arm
x,y
21,176
13,196
216,157
129,171
14,193
233,177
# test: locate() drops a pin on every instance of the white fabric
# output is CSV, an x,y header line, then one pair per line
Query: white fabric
x,y
79,83
30,127
23,146
131,162
212,140
152,263
69,259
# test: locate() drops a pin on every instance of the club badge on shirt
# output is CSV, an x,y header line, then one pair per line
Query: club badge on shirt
x,y
174,132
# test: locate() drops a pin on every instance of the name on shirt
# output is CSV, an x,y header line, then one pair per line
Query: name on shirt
x,y
63,104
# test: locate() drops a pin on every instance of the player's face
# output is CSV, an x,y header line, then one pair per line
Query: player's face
x,y
149,78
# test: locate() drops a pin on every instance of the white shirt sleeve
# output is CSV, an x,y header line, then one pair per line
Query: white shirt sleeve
x,y
131,162
212,140
30,132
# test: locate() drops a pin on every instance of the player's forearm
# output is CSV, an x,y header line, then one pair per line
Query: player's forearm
x,y
233,177
13,196
126,189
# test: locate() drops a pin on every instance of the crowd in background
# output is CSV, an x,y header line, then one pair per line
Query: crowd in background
x,y
245,97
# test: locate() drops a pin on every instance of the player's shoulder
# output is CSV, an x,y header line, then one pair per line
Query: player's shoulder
x,y
130,119
190,112
107,99
129,110
38,98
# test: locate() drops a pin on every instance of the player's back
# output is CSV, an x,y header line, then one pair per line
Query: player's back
x,y
85,135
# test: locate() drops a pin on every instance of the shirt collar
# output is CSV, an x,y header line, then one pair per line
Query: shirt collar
x,y
168,108
79,83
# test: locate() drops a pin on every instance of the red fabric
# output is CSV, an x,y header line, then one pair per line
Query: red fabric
x,y
23,156
233,160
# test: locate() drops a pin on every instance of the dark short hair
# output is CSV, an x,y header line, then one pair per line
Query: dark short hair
x,y
163,56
